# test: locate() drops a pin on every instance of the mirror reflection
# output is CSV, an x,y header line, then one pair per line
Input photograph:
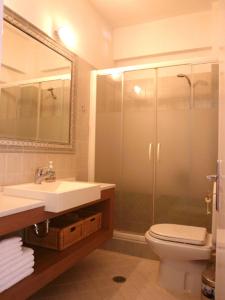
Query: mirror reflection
x,y
35,83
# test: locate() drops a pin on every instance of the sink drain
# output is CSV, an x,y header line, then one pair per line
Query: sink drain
x,y
119,279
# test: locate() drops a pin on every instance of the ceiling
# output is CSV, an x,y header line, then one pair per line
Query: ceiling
x,y
129,12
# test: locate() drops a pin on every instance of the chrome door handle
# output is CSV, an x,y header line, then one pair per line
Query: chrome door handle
x,y
216,178
150,151
218,164
158,151
212,178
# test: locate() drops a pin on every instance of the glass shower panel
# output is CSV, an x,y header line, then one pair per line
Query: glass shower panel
x,y
136,191
108,133
27,111
8,111
204,137
173,157
54,111
18,113
187,113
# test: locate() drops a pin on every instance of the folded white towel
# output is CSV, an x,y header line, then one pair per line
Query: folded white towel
x,y
16,273
14,279
27,250
27,258
10,241
7,247
10,255
26,264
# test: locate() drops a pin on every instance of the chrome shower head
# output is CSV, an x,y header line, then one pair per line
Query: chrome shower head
x,y
185,76
51,91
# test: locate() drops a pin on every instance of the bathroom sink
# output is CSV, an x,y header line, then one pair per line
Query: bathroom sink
x,y
59,195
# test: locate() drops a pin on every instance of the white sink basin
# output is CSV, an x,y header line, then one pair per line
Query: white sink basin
x,y
59,195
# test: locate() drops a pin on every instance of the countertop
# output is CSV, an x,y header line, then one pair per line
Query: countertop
x,y
12,205
103,185
106,186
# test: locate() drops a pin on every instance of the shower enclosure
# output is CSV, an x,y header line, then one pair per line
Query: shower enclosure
x,y
36,110
156,138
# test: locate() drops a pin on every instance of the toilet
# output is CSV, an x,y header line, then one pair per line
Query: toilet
x,y
183,252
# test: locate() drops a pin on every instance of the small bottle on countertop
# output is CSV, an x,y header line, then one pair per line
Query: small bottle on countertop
x,y
51,173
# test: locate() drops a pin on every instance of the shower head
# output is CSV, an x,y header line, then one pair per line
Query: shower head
x,y
185,76
180,75
51,91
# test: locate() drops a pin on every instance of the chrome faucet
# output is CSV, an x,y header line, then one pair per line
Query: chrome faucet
x,y
46,173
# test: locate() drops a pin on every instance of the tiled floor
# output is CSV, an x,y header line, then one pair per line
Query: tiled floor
x,y
91,279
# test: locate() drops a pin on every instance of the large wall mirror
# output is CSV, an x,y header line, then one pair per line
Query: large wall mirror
x,y
36,89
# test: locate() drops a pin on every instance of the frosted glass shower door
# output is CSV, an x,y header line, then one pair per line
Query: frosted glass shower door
x,y
108,134
137,160
204,138
174,102
187,116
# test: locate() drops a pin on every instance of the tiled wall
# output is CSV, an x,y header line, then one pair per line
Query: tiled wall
x,y
82,119
20,167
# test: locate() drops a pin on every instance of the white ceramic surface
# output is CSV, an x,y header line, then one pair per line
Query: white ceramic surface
x,y
12,205
106,186
179,251
103,185
179,233
181,264
59,195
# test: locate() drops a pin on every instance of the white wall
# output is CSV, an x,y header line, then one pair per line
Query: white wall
x,y
17,65
1,13
219,44
189,34
93,40
179,37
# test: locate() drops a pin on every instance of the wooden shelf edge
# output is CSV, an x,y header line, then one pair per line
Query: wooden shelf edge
x,y
18,221
59,262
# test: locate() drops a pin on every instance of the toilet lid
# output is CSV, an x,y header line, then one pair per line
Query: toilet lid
x,y
179,233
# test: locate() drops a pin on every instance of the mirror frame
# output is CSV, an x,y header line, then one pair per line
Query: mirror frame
x,y
14,145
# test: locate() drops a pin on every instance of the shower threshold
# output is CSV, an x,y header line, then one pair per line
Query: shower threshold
x,y
129,236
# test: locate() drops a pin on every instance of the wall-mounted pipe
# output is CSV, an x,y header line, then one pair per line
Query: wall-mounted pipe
x,y
186,77
41,229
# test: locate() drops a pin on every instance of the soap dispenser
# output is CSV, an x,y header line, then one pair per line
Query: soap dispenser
x,y
51,172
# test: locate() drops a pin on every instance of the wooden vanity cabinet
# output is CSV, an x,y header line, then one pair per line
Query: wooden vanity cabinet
x,y
49,264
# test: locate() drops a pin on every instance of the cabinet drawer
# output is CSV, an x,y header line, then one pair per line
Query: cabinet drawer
x,y
61,235
57,238
92,224
71,234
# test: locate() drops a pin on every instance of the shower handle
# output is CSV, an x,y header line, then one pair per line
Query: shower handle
x,y
158,151
150,151
212,178
216,178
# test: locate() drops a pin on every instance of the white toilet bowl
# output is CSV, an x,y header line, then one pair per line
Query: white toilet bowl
x,y
183,252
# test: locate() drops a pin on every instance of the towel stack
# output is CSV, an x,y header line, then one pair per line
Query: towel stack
x,y
16,262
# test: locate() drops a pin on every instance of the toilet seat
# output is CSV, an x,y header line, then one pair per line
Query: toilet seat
x,y
171,250
179,233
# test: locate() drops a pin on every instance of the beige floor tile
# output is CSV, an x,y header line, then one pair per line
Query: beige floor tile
x,y
91,279
111,294
129,292
88,295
